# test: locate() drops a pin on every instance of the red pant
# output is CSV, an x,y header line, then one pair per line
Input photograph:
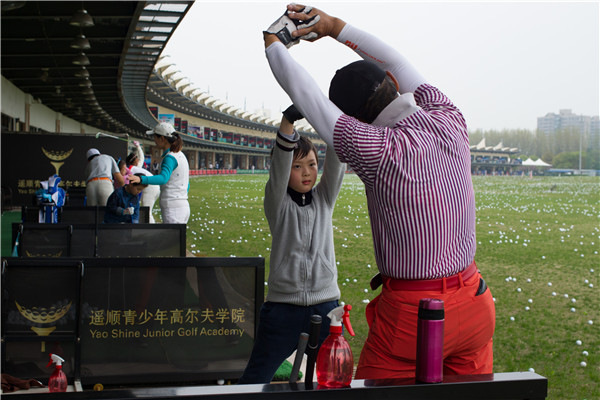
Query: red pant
x,y
390,348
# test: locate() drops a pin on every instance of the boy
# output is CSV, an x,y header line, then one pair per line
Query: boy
x,y
123,205
303,274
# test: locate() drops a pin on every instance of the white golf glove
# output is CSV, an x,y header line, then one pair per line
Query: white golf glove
x,y
284,26
128,211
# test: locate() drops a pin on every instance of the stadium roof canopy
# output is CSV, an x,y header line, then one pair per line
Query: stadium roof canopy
x,y
499,148
90,61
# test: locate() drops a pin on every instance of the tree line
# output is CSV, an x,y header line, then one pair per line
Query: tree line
x,y
560,148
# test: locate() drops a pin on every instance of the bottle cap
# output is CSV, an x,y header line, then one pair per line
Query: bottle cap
x,y
431,309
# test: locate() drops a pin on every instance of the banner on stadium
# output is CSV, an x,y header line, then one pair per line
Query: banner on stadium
x,y
170,118
197,131
154,111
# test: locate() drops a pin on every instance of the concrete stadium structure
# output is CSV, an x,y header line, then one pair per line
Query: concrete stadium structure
x,y
65,76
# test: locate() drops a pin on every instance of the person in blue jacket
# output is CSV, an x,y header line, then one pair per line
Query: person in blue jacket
x,y
123,205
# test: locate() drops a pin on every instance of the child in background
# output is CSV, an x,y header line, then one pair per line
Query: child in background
x,y
303,274
123,205
124,171
152,192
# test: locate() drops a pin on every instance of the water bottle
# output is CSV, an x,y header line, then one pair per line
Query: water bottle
x,y
430,341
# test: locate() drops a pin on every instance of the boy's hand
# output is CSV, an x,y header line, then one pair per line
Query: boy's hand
x,y
292,114
128,211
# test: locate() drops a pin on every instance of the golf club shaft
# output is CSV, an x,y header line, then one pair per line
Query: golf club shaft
x,y
302,342
313,344
110,136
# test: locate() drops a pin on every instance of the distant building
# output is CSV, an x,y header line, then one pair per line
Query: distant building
x,y
588,126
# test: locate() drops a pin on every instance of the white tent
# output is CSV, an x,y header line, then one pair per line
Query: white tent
x,y
540,163
528,162
537,163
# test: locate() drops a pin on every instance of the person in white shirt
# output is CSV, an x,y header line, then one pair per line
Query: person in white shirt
x,y
174,175
134,163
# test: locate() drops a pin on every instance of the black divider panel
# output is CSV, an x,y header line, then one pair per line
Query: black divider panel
x,y
82,215
40,303
77,214
141,320
101,240
141,240
43,240
144,215
75,196
30,214
83,240
92,215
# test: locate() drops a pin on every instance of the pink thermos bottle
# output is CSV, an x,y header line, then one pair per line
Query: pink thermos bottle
x,y
430,341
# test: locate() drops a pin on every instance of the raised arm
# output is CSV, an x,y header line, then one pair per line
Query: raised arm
x,y
279,173
303,90
364,44
139,153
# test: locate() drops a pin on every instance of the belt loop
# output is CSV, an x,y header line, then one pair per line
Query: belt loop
x,y
460,280
444,285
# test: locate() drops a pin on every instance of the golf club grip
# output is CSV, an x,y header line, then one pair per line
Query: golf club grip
x,y
313,343
302,342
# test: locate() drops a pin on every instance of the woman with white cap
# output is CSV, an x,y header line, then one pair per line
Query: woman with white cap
x,y
173,177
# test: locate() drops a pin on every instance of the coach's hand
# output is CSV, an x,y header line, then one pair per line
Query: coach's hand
x,y
284,26
322,24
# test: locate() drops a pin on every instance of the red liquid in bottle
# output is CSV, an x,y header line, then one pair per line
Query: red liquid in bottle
x,y
335,362
57,381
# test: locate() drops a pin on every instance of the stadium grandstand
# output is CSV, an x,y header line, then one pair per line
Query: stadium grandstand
x,y
221,134
70,71
73,71
494,160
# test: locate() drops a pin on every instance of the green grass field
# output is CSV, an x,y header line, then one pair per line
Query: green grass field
x,y
538,242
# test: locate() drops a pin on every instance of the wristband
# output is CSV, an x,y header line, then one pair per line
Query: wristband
x,y
286,144
292,114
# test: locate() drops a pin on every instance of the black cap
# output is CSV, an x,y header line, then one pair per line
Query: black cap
x,y
352,86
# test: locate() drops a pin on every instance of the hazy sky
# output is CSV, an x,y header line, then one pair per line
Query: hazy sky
x,y
503,63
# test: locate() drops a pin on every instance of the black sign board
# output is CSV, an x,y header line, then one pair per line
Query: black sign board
x,y
131,321
28,159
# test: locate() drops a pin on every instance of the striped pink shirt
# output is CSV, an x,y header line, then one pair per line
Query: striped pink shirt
x,y
420,196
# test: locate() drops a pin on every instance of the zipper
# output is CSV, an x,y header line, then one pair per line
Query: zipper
x,y
303,199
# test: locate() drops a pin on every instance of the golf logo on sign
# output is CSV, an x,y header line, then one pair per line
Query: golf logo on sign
x,y
44,316
57,157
